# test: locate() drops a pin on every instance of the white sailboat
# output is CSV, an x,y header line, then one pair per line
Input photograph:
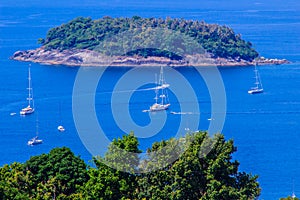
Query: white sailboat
x,y
30,108
161,94
258,85
35,140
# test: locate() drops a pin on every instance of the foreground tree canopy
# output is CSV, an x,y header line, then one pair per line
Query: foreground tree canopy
x,y
62,175
85,33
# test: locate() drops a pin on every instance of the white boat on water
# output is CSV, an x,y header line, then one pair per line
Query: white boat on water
x,y
26,111
35,140
30,108
60,128
258,85
161,94
159,107
255,90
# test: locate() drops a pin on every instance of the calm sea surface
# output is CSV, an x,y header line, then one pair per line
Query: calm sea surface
x,y
265,127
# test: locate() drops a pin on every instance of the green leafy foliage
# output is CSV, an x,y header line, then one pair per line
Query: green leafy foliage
x,y
106,182
60,172
15,183
85,33
56,175
192,176
179,169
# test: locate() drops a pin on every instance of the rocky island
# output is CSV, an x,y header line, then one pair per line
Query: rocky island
x,y
140,41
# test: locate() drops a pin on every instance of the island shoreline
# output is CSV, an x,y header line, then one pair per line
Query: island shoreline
x,y
89,58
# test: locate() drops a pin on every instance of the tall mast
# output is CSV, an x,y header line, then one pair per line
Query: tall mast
x,y
30,95
161,77
259,80
156,90
37,127
161,82
256,76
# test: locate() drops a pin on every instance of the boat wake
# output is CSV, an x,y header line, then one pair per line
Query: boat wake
x,y
184,113
164,86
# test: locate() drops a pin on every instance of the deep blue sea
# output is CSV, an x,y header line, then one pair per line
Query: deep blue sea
x,y
264,127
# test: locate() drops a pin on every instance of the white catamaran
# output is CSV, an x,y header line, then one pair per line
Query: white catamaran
x,y
30,108
161,94
258,85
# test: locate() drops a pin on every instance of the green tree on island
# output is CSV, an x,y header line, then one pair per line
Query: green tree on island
x,y
85,33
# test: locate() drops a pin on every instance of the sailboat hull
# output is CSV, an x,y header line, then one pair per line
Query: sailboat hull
x,y
34,141
255,91
26,111
159,107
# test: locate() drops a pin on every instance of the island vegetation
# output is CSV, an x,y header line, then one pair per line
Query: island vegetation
x,y
62,175
141,41
85,33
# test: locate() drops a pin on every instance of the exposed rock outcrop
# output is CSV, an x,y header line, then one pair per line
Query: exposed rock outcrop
x,y
84,57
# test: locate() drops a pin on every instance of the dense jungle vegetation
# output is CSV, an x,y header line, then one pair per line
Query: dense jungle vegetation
x,y
85,33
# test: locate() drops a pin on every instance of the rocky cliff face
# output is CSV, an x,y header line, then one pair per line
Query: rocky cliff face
x,y
84,57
